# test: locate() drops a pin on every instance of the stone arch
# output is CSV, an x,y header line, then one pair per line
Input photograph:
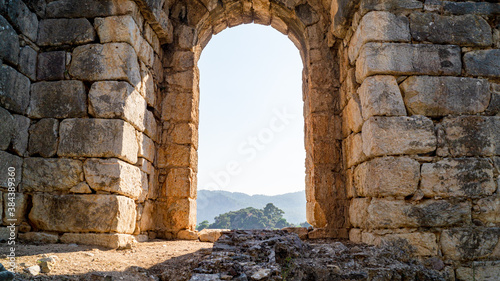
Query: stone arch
x,y
306,25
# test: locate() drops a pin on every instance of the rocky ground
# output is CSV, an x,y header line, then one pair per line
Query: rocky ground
x,y
237,255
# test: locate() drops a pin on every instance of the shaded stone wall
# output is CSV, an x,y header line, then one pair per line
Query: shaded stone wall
x,y
421,128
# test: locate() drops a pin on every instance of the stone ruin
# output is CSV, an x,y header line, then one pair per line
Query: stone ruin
x,y
99,119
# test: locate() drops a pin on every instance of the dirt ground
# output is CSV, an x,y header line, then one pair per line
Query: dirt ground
x,y
154,260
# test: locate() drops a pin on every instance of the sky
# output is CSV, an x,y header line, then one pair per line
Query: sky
x,y
251,131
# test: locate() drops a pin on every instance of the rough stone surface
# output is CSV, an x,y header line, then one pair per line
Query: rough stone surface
x,y
481,270
88,9
494,106
8,160
55,32
7,128
469,136
478,8
353,150
423,244
469,243
57,213
180,183
58,99
39,237
486,210
21,17
49,175
51,65
467,30
115,241
407,59
43,137
379,96
14,90
21,202
389,5
147,147
352,118
466,177
387,176
483,63
20,137
398,135
441,96
112,61
114,99
28,62
9,46
97,138
114,176
81,188
379,26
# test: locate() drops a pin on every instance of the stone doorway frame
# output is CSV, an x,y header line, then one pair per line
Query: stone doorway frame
x,y
194,24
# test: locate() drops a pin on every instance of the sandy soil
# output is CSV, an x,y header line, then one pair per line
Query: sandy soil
x,y
154,260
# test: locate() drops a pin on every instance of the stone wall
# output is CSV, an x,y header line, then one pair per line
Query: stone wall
x,y
421,127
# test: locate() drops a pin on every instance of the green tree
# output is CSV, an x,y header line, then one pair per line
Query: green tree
x,y
270,217
202,225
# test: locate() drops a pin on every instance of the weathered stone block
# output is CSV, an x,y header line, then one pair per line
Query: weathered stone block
x,y
21,17
114,241
97,138
440,96
469,136
19,202
118,29
358,211
180,107
483,63
9,46
112,61
380,95
466,177
379,26
387,176
147,147
150,125
81,188
28,62
181,183
58,99
407,59
389,5
14,90
56,32
39,237
423,243
467,30
20,137
49,175
43,137
353,150
176,214
478,8
117,99
7,127
177,156
494,106
51,65
398,135
13,162
185,133
470,243
114,176
148,89
480,270
38,6
487,210
352,118
88,8
96,213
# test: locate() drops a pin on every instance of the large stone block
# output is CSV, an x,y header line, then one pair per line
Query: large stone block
x,y
51,65
28,61
387,176
39,237
423,243
469,136
176,214
114,176
477,8
21,17
440,96
14,207
147,148
470,243
487,210
379,26
352,118
380,95
483,63
88,8
494,107
114,241
112,61
56,32
14,90
43,137
49,175
58,99
480,270
398,135
21,136
465,177
467,30
181,183
7,127
389,5
9,45
117,99
15,164
98,138
353,150
180,107
96,213
407,59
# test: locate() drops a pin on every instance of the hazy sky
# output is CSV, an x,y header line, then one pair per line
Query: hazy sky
x,y
251,118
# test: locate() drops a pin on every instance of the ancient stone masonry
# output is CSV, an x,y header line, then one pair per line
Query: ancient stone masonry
x,y
99,117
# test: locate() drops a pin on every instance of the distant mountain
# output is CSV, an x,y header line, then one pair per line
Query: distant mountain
x,y
211,203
